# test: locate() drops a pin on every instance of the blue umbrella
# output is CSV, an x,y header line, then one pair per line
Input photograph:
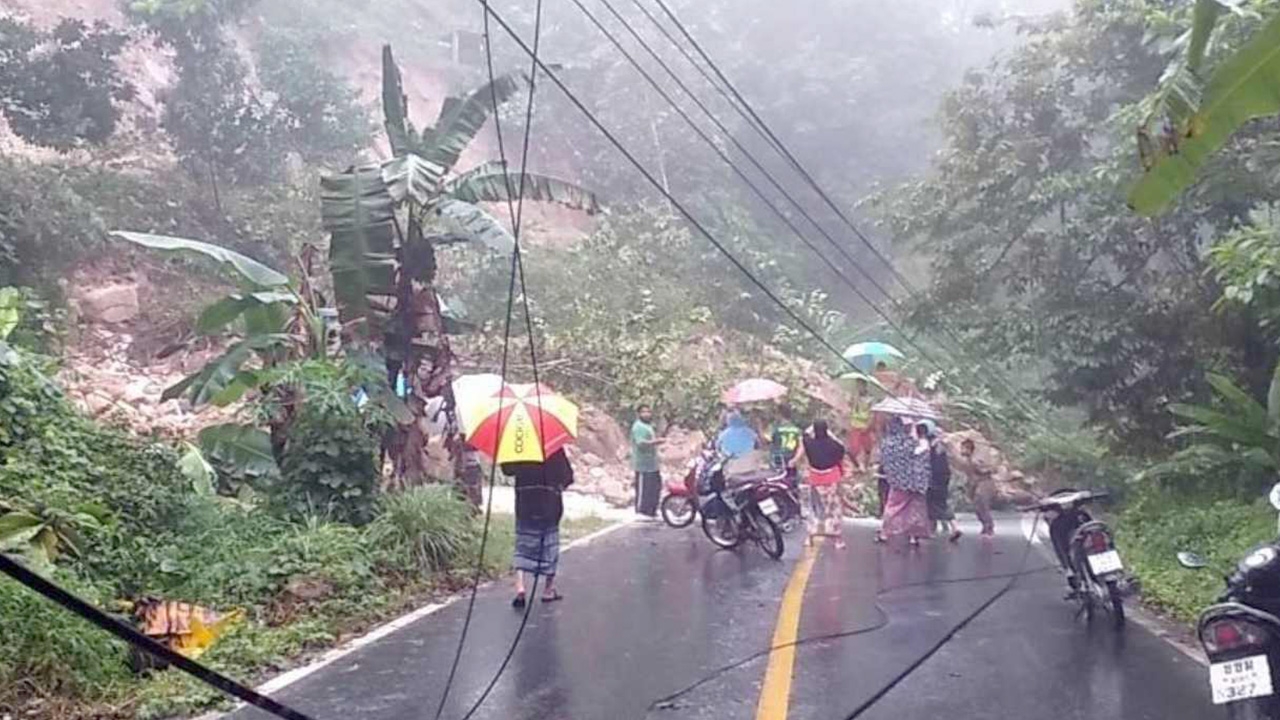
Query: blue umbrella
x,y
865,355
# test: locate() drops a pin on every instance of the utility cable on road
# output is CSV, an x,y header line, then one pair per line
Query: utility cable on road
x,y
515,208
669,702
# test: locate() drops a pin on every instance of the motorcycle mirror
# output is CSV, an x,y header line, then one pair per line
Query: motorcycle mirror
x,y
1274,497
1191,560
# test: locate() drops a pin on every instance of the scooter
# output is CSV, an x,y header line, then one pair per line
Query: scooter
x,y
1087,553
1241,632
680,506
734,514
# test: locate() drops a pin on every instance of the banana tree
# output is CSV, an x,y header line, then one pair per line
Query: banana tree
x,y
387,220
1235,433
276,322
1189,118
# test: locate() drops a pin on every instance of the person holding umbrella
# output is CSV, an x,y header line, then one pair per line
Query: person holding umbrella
x,y
524,430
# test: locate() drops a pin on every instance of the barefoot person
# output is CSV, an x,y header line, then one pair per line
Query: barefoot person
x,y
539,507
982,486
825,456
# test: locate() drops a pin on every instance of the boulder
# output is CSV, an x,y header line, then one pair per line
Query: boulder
x,y
602,436
110,304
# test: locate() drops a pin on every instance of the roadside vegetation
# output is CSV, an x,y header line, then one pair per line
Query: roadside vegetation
x,y
1095,346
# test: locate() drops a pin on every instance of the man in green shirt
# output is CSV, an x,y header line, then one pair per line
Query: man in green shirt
x,y
644,461
784,444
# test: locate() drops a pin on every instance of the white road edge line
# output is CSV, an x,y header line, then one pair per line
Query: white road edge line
x,y
284,680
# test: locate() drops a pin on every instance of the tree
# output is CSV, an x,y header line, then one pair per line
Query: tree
x,y
386,222
61,88
1035,256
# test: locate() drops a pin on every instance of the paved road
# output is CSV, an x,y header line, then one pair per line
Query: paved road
x,y
653,613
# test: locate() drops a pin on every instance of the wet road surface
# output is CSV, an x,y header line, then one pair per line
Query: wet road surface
x,y
658,624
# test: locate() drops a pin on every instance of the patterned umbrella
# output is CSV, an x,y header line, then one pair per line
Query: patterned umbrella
x,y
515,422
753,390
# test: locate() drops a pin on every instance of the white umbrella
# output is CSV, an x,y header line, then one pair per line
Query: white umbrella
x,y
911,407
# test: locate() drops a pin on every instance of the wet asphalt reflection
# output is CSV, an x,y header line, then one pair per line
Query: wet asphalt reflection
x,y
651,612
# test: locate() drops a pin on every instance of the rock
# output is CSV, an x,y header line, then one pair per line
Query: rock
x,y
600,435
97,404
111,303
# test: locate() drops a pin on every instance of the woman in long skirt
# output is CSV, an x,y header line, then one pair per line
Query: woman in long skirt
x,y
906,467
538,511
825,456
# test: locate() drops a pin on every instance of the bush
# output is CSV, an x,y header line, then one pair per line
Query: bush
x,y
424,528
1159,523
44,225
330,460
45,650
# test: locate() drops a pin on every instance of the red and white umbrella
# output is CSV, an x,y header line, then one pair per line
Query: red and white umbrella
x,y
754,390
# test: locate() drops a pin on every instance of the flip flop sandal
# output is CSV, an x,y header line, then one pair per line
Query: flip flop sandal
x,y
557,597
955,536
518,601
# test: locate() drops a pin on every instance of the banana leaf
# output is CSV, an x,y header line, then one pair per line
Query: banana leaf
x,y
1222,426
1241,404
395,106
463,218
359,214
411,176
244,447
217,375
255,272
1243,87
461,119
10,310
488,183
227,310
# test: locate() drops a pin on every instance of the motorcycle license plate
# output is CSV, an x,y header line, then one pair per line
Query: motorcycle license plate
x,y
1106,562
1240,679
768,506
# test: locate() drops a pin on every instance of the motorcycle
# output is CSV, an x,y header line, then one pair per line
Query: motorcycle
x,y
1087,552
735,514
1240,633
680,506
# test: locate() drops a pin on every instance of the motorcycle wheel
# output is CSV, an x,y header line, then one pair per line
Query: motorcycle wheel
x,y
1117,604
790,515
723,531
767,534
678,510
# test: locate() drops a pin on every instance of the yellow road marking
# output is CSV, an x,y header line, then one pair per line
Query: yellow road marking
x,y
775,695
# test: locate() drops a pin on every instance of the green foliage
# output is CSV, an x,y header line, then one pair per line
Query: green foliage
x,y
423,528
1241,88
52,652
330,460
1236,440
1158,523
1036,260
45,225
1246,262
61,88
319,115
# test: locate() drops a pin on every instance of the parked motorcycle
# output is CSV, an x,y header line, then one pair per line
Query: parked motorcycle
x,y
733,514
680,506
1241,632
1087,553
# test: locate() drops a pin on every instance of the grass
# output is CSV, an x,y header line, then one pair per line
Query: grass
x,y
257,650
1157,524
